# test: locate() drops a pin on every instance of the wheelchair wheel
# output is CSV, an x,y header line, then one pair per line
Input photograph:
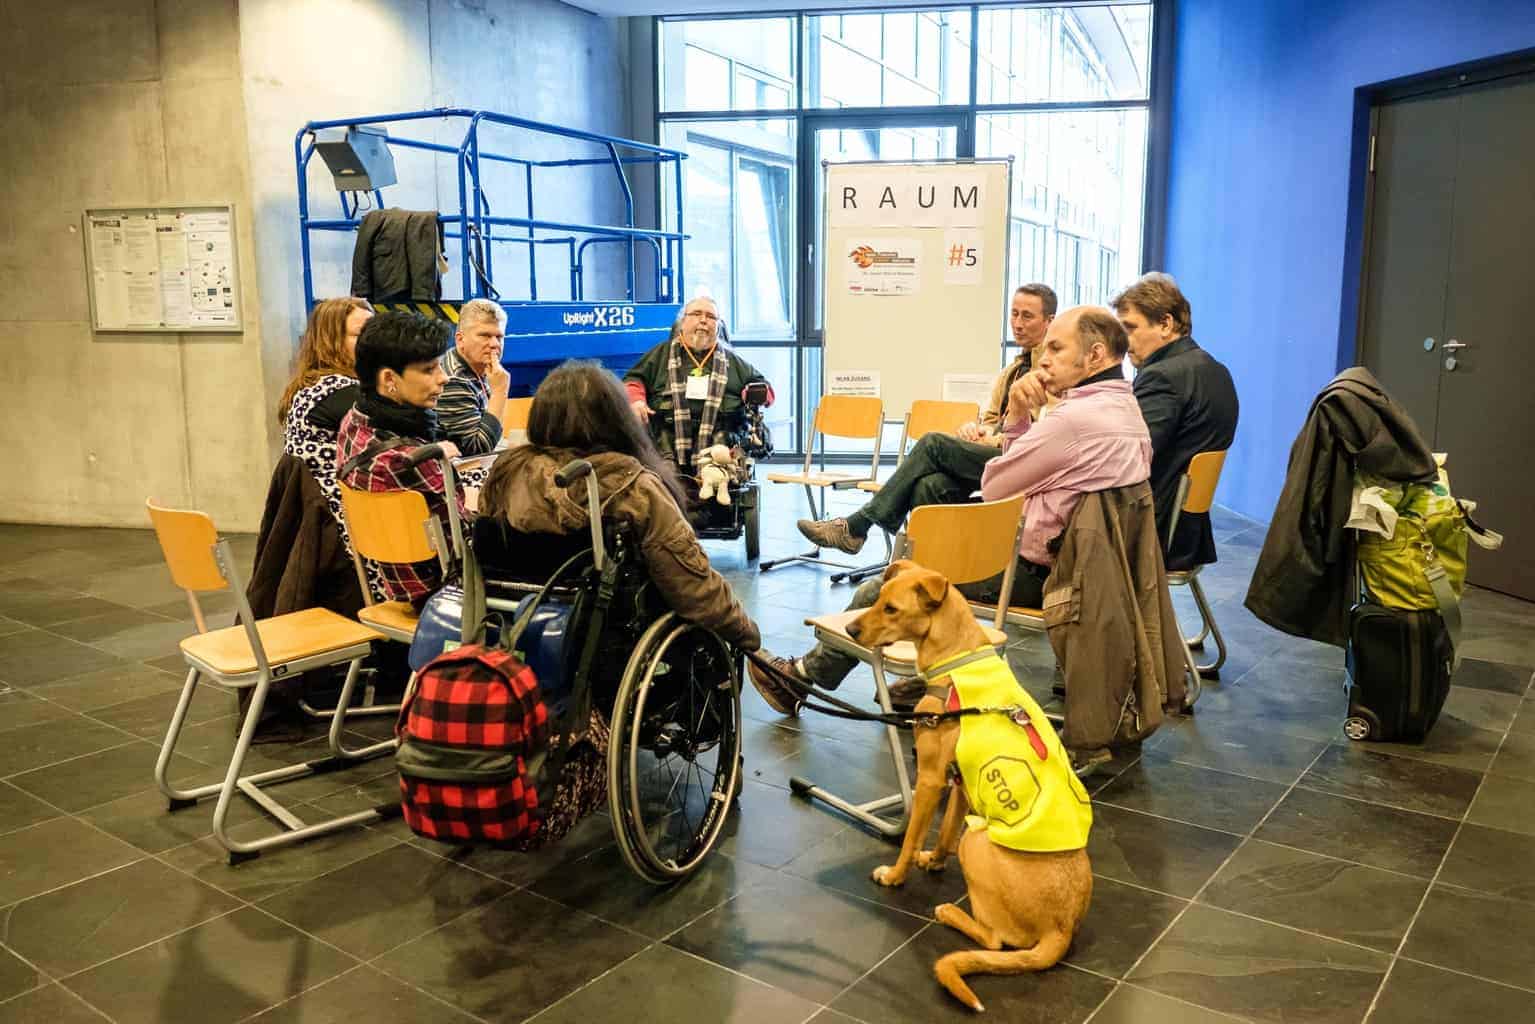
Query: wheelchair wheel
x,y
674,760
752,526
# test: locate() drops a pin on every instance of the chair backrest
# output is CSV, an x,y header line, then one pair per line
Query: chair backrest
x,y
852,416
387,526
187,539
928,416
969,543
515,416
1203,474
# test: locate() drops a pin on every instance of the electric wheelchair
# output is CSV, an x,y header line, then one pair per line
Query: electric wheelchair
x,y
669,690
748,440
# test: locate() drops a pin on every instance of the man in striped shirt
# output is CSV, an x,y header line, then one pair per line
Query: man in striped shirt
x,y
474,398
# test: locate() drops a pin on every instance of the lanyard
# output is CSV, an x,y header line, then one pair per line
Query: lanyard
x,y
698,364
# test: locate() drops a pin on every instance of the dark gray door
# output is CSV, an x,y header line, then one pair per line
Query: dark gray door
x,y
1451,248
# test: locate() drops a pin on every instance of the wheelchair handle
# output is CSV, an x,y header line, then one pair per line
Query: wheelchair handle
x,y
572,471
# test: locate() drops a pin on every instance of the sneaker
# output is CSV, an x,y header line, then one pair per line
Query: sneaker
x,y
774,690
831,533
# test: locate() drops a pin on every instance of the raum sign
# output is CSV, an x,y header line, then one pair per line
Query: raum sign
x,y
950,196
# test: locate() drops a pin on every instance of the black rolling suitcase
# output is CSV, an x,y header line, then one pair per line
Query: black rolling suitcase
x,y
1399,665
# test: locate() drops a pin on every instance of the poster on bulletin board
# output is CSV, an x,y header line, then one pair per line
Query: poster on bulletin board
x,y
167,268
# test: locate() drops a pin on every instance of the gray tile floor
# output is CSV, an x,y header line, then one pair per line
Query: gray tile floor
x,y
1251,864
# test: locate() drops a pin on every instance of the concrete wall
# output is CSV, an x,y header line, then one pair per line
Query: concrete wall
x,y
307,60
112,103
1263,213
124,102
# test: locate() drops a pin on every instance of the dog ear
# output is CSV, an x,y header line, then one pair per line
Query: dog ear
x,y
897,567
933,587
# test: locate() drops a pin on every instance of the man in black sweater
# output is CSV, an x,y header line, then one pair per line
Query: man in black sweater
x,y
1187,400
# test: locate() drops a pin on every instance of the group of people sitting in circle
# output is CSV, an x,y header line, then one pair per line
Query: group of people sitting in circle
x,y
1062,421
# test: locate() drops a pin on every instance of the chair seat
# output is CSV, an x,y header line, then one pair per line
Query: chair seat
x,y
1181,577
395,619
903,652
871,486
821,479
287,638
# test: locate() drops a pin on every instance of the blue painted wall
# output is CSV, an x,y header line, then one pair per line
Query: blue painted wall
x,y
1266,135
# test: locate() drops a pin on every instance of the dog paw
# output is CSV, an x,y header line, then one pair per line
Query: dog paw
x,y
886,875
928,860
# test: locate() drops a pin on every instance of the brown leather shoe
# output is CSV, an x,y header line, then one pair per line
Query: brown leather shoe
x,y
775,691
831,533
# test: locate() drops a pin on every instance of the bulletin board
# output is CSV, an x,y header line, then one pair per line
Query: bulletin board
x,y
163,268
916,277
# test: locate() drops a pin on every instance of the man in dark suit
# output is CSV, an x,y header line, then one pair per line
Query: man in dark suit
x,y
1186,398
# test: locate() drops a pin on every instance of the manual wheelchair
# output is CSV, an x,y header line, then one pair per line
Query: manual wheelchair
x,y
669,690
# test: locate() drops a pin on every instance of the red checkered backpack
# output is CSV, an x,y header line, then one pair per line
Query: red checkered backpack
x,y
480,757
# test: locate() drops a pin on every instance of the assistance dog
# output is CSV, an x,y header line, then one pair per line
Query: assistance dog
x,y
1024,853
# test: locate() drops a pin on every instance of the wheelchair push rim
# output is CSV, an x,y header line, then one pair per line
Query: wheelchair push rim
x,y
674,757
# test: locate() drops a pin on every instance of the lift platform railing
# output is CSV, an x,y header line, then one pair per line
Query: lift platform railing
x,y
473,220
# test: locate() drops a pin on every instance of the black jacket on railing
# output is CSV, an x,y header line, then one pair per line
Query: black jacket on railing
x,y
395,258
1190,406
1304,583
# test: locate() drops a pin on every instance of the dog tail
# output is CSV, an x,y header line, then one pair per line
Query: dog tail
x,y
951,969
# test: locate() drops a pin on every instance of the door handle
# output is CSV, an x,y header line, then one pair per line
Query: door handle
x,y
1455,346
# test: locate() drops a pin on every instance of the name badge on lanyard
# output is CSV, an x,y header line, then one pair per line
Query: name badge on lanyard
x,y
697,388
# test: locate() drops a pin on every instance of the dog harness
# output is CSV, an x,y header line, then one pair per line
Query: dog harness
x,y
1016,772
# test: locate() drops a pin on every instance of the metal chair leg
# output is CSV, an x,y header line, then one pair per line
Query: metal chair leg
x,y
178,798
1208,619
338,724
868,812
1195,681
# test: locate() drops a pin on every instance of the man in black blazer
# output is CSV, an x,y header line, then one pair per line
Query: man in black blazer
x,y
1187,399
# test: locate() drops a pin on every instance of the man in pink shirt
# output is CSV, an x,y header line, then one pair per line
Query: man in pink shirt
x,y
1093,440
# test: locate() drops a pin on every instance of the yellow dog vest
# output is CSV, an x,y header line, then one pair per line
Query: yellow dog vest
x,y
1016,771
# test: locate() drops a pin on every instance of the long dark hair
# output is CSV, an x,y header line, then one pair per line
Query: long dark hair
x,y
581,407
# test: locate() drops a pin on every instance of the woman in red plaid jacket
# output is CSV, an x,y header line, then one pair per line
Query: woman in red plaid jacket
x,y
400,378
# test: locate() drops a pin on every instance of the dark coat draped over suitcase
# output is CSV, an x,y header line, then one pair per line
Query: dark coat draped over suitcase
x,y
1110,619
1304,583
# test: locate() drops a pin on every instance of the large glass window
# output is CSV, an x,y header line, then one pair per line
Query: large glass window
x,y
728,64
1078,193
897,59
1062,89
738,191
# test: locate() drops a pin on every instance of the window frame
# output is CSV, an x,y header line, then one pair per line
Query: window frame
x,y
964,114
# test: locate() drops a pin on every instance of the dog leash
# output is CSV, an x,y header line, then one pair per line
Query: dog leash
x,y
835,707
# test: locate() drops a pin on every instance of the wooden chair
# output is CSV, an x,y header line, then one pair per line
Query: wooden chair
x,y
1196,493
515,416
390,526
849,416
967,544
251,655
926,416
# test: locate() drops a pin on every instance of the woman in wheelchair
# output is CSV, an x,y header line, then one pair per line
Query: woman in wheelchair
x,y
666,675
693,389
580,411
400,378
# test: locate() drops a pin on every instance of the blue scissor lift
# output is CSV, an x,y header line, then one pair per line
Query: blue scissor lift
x,y
542,329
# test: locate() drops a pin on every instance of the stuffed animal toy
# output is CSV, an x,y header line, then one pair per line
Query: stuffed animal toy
x,y
715,468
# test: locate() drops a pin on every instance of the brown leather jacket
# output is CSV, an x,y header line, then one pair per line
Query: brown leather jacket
x,y
1110,619
521,489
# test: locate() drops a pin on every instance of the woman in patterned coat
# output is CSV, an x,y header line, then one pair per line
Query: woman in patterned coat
x,y
322,391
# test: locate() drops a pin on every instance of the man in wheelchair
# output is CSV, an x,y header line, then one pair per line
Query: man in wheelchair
x,y
693,391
